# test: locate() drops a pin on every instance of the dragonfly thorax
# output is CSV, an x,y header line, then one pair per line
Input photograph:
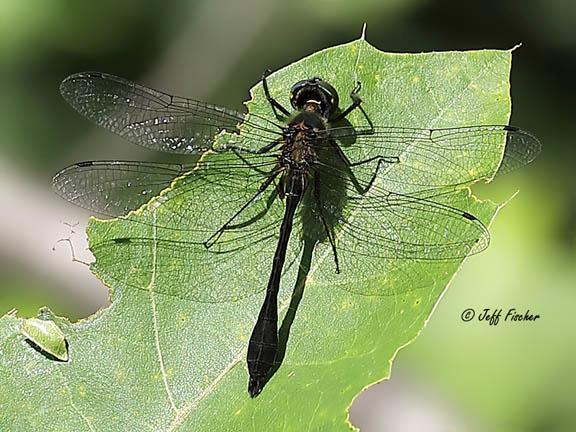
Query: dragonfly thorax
x,y
308,120
298,154
300,137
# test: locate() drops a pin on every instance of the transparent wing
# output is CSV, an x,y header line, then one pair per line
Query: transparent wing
x,y
169,248
389,225
385,224
186,269
437,158
164,246
113,188
154,119
382,225
368,224
379,234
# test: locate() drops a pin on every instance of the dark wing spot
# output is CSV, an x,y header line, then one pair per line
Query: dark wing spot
x,y
469,216
121,240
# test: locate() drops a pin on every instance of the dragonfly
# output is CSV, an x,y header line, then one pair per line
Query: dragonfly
x,y
362,193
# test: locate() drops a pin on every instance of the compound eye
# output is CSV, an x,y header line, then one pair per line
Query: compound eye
x,y
298,86
331,95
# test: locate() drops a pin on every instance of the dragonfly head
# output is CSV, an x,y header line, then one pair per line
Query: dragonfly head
x,y
314,92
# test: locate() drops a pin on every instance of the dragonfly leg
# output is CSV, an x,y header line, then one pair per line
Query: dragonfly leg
x,y
381,160
261,150
269,147
214,237
249,163
356,104
273,102
329,232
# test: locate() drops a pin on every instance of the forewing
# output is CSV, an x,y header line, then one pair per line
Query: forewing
x,y
154,119
436,158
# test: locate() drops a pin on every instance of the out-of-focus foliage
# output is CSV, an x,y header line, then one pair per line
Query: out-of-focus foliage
x,y
39,27
42,41
335,13
523,376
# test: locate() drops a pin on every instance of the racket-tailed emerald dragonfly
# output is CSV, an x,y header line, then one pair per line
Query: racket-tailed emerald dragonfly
x,y
364,193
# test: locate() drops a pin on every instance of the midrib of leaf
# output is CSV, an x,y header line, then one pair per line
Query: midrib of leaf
x,y
458,97
187,409
182,413
358,54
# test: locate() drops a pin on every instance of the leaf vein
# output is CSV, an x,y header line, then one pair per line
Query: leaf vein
x,y
75,408
155,317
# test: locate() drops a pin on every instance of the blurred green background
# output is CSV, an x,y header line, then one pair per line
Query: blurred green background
x,y
455,376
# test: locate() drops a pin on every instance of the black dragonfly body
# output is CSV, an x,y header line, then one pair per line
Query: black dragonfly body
x,y
377,194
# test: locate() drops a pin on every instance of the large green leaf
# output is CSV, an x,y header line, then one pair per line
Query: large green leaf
x,y
174,360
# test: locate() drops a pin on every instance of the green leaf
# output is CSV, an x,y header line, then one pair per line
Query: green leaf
x,y
168,356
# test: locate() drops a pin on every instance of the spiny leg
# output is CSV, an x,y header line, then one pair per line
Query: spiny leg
x,y
273,102
261,150
348,164
248,163
329,232
214,237
356,103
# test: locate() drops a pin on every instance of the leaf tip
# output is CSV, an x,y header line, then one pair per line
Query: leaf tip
x,y
515,47
363,35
